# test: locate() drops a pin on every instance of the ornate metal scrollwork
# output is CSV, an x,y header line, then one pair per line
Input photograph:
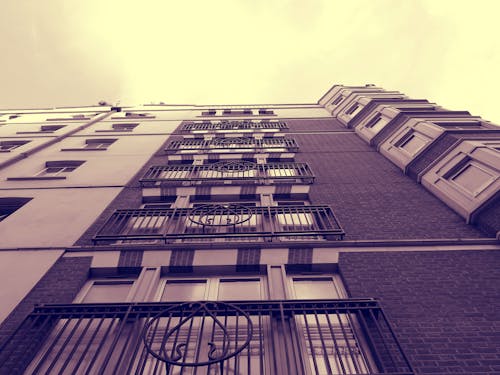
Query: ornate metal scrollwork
x,y
197,334
220,215
233,166
230,141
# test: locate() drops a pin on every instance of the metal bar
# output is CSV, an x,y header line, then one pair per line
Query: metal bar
x,y
338,356
53,344
94,338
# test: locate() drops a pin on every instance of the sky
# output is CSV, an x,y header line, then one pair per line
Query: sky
x,y
74,52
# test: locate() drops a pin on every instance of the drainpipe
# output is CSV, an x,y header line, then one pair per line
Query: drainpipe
x,y
57,139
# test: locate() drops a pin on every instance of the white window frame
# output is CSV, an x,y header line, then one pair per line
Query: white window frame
x,y
212,284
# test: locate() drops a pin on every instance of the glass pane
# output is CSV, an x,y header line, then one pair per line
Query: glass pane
x,y
108,292
315,289
473,178
413,144
189,290
239,290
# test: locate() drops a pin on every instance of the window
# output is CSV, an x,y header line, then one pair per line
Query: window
x,y
124,127
44,129
337,100
460,125
376,123
98,144
354,108
120,127
109,291
93,144
72,118
134,115
210,112
51,128
213,288
265,111
138,115
59,168
333,340
10,205
237,112
7,146
412,142
471,176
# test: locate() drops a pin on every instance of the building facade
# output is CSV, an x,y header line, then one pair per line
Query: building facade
x,y
355,235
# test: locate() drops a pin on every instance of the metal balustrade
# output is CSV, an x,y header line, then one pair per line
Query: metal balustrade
x,y
225,172
225,222
350,336
207,127
232,144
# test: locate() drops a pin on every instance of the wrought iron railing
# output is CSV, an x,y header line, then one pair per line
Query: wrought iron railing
x,y
225,222
244,337
224,172
207,126
233,144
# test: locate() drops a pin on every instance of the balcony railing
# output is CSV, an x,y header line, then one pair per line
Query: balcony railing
x,y
245,337
225,172
225,222
243,126
232,145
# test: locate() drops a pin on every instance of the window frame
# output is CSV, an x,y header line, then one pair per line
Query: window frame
x,y
9,205
212,283
14,144
66,166
85,290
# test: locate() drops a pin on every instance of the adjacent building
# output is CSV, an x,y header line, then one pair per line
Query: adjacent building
x,y
355,235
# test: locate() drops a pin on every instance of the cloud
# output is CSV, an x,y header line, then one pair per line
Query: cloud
x,y
243,51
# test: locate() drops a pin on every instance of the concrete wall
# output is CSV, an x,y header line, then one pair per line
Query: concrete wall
x,y
54,217
32,265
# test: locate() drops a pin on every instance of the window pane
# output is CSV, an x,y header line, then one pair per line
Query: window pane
x,y
473,178
413,144
323,288
239,290
108,292
189,290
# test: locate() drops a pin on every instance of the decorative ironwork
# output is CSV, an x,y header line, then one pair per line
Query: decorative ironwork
x,y
220,215
295,336
212,343
233,166
224,172
232,222
228,143
244,125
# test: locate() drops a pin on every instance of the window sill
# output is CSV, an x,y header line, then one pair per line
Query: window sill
x,y
36,178
83,149
36,132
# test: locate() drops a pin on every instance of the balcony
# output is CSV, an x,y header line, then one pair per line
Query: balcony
x,y
221,222
233,126
246,337
228,172
232,145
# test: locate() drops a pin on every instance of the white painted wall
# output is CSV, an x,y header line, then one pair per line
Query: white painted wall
x,y
54,217
19,272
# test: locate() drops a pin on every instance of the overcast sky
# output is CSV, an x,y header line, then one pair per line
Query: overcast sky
x,y
77,52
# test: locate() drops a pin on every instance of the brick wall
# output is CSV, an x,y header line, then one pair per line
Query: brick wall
x,y
440,146
488,219
60,284
315,124
444,306
370,196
